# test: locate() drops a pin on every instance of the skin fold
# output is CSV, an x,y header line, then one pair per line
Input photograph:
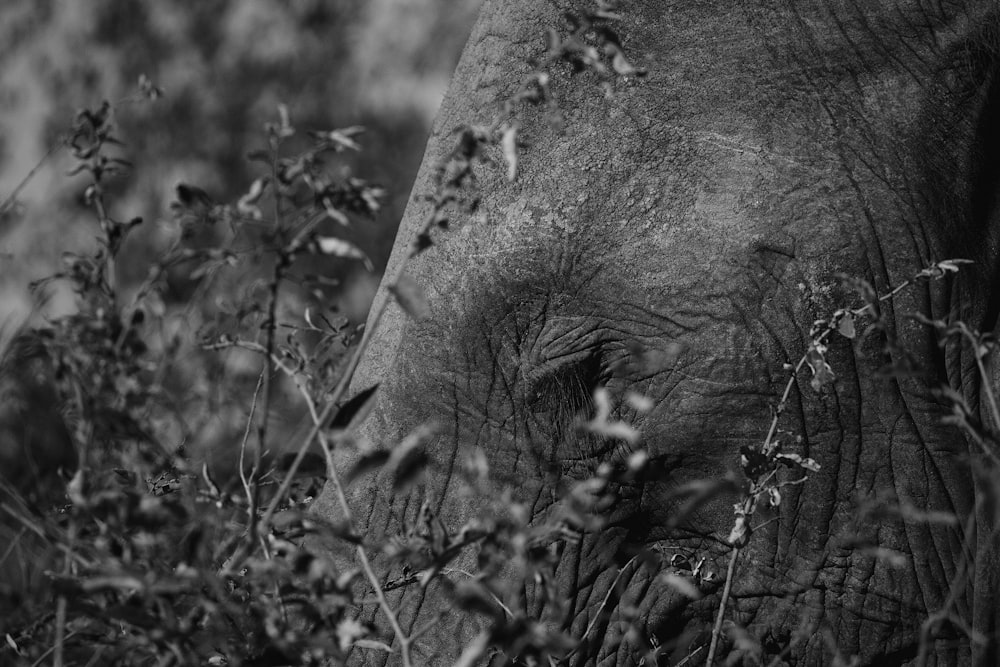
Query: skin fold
x,y
678,241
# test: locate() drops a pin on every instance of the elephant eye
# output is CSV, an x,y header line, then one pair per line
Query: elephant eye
x,y
562,389
558,398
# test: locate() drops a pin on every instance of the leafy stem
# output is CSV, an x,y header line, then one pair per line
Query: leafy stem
x,y
760,464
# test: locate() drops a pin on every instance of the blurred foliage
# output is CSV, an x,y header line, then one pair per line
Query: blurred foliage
x,y
224,66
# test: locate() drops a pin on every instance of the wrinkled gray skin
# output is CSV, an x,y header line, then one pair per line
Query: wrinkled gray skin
x,y
704,216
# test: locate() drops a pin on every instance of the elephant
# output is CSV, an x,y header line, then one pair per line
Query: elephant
x,y
677,240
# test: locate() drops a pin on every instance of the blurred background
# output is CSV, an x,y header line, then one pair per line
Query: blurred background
x,y
224,67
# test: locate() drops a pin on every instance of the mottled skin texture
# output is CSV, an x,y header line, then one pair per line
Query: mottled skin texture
x,y
703,215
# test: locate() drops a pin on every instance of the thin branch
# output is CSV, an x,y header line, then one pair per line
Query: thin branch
x,y
12,197
604,604
50,650
401,637
13,544
251,505
49,533
332,404
720,617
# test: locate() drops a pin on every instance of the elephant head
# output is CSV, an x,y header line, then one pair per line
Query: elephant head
x,y
678,241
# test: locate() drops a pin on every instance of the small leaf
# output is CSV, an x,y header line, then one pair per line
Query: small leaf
x,y
911,513
247,204
754,462
845,326
373,197
809,465
951,265
476,467
891,557
409,458
349,631
682,585
259,155
359,406
74,489
474,650
286,129
148,88
329,245
335,213
410,469
193,197
410,297
621,64
744,643
823,375
637,460
740,533
344,579
553,43
210,482
367,463
256,190
422,243
609,429
796,460
508,143
372,644
344,137
773,496
638,402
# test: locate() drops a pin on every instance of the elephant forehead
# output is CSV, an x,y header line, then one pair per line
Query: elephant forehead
x,y
644,240
678,209
744,138
651,199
